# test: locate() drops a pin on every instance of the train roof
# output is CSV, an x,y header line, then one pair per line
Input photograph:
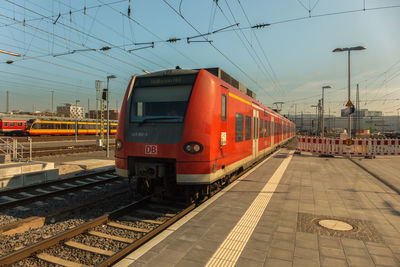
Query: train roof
x,y
70,120
11,119
171,72
219,73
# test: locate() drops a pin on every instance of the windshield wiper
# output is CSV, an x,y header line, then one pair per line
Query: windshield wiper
x,y
159,118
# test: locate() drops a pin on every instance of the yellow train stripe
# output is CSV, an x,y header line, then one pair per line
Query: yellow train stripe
x,y
239,98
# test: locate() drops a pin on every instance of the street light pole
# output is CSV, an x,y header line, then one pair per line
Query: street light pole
x,y
108,117
348,49
316,114
322,121
76,120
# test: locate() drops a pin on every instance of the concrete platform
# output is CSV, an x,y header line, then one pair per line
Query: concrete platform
x,y
91,163
18,174
386,167
270,218
73,168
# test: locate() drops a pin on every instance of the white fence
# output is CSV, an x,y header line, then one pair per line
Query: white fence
x,y
361,147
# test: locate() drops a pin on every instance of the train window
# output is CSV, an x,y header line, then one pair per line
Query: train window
x,y
223,108
239,127
19,124
12,124
248,128
271,133
269,128
5,124
261,128
265,128
255,128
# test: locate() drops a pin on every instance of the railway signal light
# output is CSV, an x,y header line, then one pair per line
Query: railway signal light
x,y
105,94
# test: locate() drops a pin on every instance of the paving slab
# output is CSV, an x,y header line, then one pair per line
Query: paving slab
x,y
288,233
386,167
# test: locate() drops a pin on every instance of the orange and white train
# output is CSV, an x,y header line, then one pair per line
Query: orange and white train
x,y
193,128
66,127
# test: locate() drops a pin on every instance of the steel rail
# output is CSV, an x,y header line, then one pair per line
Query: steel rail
x,y
44,244
128,249
52,183
17,202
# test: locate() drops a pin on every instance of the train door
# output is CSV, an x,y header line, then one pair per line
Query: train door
x,y
272,131
223,129
255,133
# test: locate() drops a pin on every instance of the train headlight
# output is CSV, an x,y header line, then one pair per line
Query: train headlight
x,y
118,145
193,147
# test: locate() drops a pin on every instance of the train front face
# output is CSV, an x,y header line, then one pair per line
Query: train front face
x,y
165,124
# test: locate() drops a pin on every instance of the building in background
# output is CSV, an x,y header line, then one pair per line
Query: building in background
x,y
70,110
113,114
362,113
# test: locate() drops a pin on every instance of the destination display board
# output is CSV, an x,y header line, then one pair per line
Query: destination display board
x,y
165,80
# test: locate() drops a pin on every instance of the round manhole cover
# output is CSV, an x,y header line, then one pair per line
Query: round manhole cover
x,y
335,225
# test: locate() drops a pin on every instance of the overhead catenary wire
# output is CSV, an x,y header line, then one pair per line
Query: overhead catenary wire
x,y
219,51
121,46
66,13
81,32
262,50
152,33
69,60
76,43
260,62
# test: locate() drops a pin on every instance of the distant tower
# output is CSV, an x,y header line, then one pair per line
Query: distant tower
x,y
358,111
7,102
52,102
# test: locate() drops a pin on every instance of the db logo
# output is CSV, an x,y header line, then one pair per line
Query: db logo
x,y
150,149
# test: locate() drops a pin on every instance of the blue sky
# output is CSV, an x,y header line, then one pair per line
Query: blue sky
x,y
288,61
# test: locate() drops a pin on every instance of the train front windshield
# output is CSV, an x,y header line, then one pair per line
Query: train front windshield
x,y
161,99
160,103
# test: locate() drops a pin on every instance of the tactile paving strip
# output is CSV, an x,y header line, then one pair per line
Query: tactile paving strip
x,y
362,230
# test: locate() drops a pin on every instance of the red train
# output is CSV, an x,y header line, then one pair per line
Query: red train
x,y
193,128
12,127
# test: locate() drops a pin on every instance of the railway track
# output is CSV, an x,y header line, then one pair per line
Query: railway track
x,y
103,240
50,151
20,196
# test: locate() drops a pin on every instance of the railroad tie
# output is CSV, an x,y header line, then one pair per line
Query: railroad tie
x,y
113,237
130,218
127,227
156,213
58,261
89,248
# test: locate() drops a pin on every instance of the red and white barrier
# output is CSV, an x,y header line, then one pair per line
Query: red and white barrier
x,y
361,147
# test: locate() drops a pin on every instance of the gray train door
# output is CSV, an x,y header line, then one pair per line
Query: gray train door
x,y
255,133
272,131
